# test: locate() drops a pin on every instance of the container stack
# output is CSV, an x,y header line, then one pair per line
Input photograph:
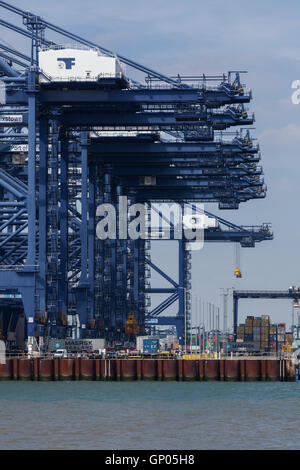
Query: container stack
x,y
264,332
256,332
241,332
263,335
273,337
249,329
170,342
280,336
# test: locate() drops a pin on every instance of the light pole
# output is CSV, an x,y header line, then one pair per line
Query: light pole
x,y
225,292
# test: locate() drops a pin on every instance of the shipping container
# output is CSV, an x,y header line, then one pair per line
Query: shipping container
x,y
241,332
248,337
140,341
264,328
150,346
248,331
281,328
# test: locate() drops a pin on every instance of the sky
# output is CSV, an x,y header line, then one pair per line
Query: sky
x,y
196,37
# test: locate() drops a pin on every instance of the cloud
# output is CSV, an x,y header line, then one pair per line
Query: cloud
x,y
282,145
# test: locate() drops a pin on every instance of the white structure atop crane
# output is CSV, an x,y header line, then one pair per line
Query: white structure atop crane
x,y
77,63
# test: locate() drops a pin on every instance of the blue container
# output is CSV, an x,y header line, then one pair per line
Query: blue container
x,y
150,346
248,337
272,338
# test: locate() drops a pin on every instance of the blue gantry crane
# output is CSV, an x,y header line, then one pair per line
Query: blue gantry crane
x,y
72,140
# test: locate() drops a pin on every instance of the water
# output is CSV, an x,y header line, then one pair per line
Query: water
x,y
149,415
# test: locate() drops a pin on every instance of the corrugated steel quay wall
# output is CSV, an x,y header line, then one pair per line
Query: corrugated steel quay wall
x,y
148,369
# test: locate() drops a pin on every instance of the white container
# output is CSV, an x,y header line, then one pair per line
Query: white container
x,y
61,64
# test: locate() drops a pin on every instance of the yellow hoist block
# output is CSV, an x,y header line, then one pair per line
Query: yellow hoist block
x,y
131,327
237,273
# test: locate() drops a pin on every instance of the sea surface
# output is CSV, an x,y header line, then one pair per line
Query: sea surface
x,y
149,415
